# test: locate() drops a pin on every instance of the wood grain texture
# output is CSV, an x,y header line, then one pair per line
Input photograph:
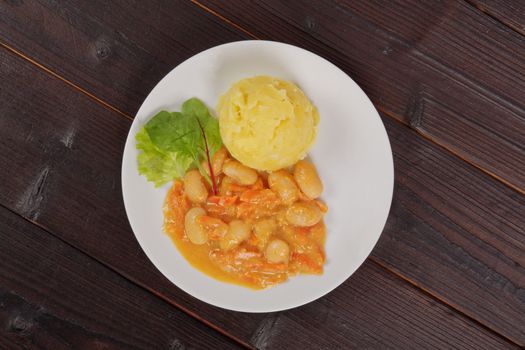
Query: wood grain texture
x,y
106,48
398,317
453,253
508,12
54,297
83,309
67,180
77,151
446,69
456,233
118,50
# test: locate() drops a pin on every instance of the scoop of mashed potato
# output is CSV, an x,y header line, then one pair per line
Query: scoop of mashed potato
x,y
267,123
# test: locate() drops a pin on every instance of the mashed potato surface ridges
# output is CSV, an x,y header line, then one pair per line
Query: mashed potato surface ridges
x,y
267,123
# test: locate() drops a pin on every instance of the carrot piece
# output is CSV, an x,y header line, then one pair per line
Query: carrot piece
x,y
305,261
302,230
321,253
269,267
237,188
214,199
259,196
245,210
175,209
216,228
253,240
209,221
322,206
223,200
258,185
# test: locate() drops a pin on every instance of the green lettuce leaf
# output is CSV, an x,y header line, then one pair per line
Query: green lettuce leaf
x,y
197,109
158,166
172,141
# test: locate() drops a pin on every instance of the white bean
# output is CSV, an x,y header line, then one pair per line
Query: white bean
x,y
303,214
217,161
238,231
195,232
241,174
225,186
194,187
263,229
307,178
284,185
277,251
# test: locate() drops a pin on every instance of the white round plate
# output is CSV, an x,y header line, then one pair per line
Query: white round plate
x,y
352,154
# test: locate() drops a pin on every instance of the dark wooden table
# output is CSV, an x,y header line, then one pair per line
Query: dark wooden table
x,y
448,78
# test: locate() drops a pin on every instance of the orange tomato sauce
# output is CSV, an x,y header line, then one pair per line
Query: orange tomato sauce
x,y
246,264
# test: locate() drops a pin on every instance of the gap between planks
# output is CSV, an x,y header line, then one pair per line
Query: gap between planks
x,y
184,309
383,110
135,283
486,12
427,292
59,77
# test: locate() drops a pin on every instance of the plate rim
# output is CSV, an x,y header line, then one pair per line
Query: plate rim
x,y
350,272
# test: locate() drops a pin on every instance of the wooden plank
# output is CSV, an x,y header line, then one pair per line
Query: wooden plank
x,y
446,210
508,12
65,177
372,295
54,297
457,233
449,71
408,75
115,49
68,156
68,300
